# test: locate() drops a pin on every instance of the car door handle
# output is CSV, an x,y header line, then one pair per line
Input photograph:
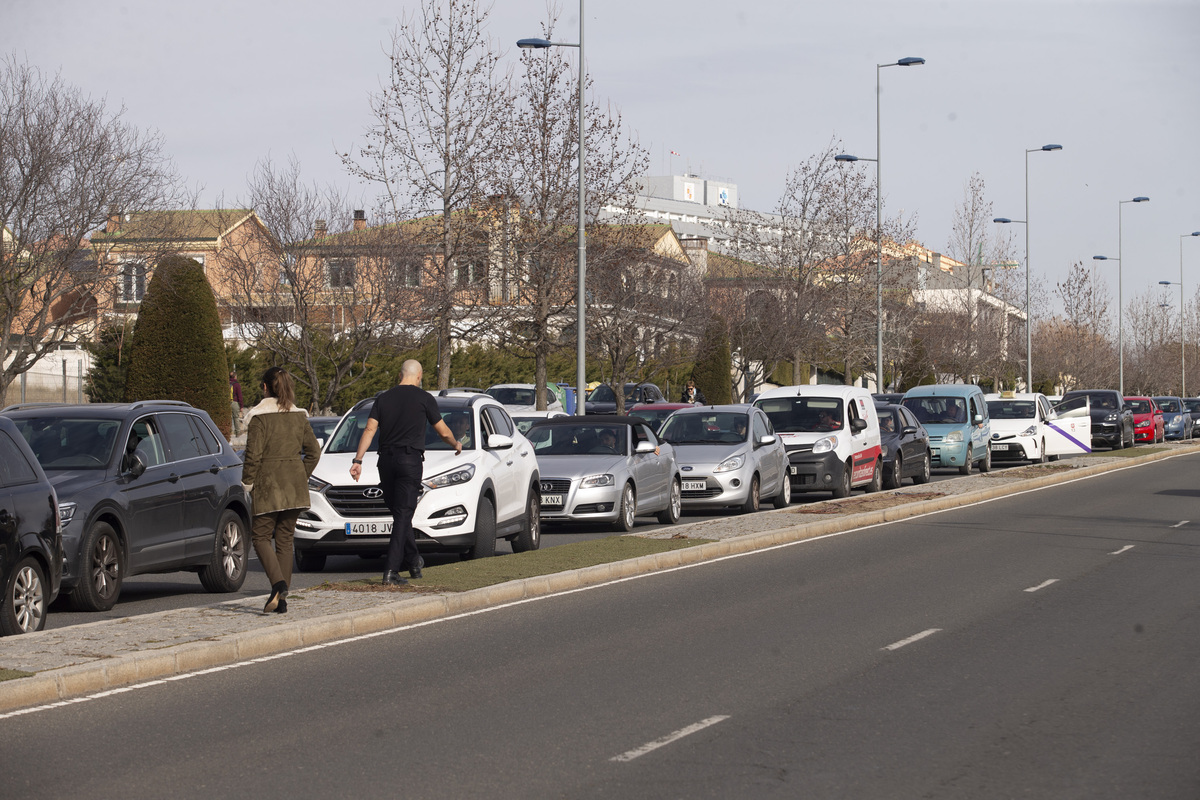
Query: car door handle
x,y
509,463
173,478
214,469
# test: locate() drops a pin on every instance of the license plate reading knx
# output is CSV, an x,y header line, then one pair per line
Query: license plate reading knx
x,y
552,499
369,528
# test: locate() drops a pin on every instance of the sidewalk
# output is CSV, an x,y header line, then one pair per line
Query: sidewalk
x,y
84,659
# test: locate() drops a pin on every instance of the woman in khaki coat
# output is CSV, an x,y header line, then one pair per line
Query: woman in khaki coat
x,y
281,453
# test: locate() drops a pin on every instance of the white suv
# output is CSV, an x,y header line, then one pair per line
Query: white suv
x,y
468,501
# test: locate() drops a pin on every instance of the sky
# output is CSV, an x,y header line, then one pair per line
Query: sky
x,y
744,91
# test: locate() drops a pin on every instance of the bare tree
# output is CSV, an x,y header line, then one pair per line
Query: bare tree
x,y
1152,350
1076,348
433,144
67,162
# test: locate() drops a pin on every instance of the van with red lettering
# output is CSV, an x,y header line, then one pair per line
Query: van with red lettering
x,y
831,434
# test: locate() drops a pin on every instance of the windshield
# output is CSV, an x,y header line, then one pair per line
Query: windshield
x,y
581,439
889,420
512,396
1192,405
1169,405
938,410
1139,406
604,394
1103,400
1012,409
70,443
707,428
345,438
803,414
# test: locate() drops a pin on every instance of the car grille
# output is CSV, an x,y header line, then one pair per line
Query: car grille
x,y
934,438
554,486
353,502
702,494
799,448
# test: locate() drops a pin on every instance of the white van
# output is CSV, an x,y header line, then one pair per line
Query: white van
x,y
831,434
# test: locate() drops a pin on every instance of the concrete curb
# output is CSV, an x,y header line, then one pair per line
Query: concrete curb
x,y
71,682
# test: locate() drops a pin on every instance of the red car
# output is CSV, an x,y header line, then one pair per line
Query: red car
x,y
1148,425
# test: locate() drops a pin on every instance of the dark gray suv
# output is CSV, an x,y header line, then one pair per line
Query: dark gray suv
x,y
142,487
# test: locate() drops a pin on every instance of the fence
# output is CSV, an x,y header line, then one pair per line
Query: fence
x,y
58,378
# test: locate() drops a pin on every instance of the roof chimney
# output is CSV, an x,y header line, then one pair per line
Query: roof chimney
x,y
360,220
319,229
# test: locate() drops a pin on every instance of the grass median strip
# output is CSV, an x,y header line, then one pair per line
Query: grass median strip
x,y
466,575
12,674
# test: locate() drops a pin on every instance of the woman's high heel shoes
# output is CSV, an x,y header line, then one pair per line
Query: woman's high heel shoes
x,y
278,595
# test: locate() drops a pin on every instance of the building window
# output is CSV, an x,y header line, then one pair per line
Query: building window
x,y
407,272
341,273
133,281
467,274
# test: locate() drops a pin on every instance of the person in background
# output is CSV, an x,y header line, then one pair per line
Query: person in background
x,y
236,402
281,454
691,394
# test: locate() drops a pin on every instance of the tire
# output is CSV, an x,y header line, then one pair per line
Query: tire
x,y
753,497
985,465
101,570
1120,445
23,607
1041,459
226,572
843,489
530,538
784,498
670,515
926,472
627,510
485,531
965,469
308,561
876,477
895,477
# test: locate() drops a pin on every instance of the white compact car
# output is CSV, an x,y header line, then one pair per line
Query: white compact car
x,y
520,398
468,501
1025,427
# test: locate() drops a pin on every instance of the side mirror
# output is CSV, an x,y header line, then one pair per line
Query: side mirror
x,y
979,419
498,441
767,439
908,430
321,442
858,425
644,447
134,465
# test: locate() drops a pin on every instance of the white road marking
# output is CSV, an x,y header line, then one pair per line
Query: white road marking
x,y
1181,524
672,737
911,639
1042,585
1122,550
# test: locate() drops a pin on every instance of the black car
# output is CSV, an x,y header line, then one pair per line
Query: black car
x,y
30,537
905,445
142,487
887,398
1112,420
602,400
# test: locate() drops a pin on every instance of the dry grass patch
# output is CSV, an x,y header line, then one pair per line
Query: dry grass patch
x,y
870,502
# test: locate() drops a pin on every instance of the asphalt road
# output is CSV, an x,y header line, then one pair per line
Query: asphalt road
x,y
146,594
1041,645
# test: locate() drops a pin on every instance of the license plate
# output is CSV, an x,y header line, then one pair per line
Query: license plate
x,y
695,486
552,499
999,447
368,529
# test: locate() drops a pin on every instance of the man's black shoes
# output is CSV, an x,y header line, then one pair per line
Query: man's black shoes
x,y
414,570
393,579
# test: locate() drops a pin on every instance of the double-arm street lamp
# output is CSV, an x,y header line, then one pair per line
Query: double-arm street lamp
x,y
580,301
1182,349
1120,300
904,62
1028,318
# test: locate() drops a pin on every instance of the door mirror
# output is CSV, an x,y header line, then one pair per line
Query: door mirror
x,y
498,441
134,465
979,419
644,447
767,439
858,425
908,430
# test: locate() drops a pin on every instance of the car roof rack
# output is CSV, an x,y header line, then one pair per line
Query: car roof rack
x,y
21,406
144,403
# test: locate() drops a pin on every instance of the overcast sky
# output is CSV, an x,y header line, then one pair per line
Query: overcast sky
x,y
744,91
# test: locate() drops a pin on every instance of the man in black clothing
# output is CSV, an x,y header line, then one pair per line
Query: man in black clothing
x,y
691,394
400,415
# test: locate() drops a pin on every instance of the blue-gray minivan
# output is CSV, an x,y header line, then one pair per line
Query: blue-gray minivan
x,y
956,416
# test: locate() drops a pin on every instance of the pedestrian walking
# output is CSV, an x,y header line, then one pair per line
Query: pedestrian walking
x,y
400,415
236,403
281,453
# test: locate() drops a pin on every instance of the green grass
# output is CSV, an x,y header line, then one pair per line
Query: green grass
x,y
465,575
12,674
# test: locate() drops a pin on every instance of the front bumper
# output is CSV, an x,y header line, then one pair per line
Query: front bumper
x,y
338,523
593,504
720,489
1016,448
1106,433
815,473
948,454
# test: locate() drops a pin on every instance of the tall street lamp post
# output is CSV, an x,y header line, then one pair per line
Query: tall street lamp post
x,y
580,298
904,62
1182,348
1120,287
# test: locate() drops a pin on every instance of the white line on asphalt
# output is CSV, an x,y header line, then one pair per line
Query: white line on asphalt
x,y
1181,524
911,639
672,737
1122,550
1042,585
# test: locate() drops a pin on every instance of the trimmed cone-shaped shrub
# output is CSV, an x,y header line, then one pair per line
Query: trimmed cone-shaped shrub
x,y
178,351
714,364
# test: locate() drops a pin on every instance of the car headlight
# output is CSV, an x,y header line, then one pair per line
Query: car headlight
x,y
953,437
596,481
454,477
1030,431
730,464
1110,418
826,445
317,485
66,512
1144,424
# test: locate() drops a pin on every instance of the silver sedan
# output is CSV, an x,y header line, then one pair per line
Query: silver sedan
x,y
729,456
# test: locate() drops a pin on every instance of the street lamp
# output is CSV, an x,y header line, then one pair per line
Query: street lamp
x,y
910,61
1120,302
581,329
1182,350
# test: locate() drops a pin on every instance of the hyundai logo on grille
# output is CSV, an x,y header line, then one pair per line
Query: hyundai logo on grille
x,y
373,493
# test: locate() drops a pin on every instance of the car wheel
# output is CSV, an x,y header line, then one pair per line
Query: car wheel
x,y
784,498
670,515
926,470
895,476
876,477
227,570
485,530
843,487
23,607
308,561
531,537
965,469
753,498
985,465
1120,445
1041,458
102,569
627,510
